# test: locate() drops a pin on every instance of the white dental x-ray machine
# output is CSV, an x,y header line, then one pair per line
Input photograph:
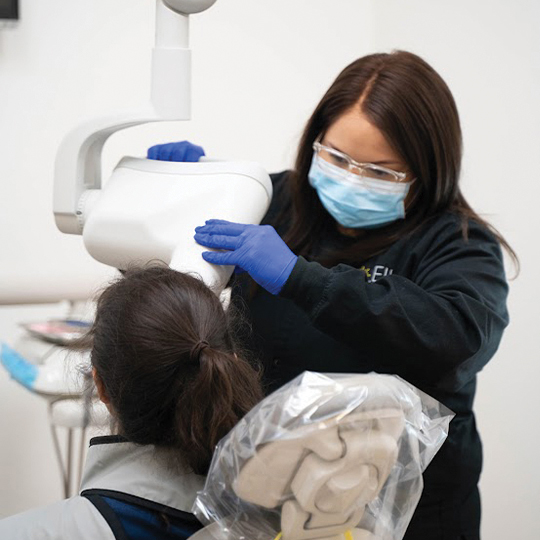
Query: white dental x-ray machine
x,y
149,209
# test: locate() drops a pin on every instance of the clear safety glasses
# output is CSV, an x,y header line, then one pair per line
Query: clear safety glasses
x,y
347,164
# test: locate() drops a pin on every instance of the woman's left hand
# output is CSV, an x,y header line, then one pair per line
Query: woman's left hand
x,y
257,249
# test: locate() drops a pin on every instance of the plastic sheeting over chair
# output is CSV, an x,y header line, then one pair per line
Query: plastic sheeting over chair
x,y
327,456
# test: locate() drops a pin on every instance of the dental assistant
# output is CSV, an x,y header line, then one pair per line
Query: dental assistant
x,y
371,259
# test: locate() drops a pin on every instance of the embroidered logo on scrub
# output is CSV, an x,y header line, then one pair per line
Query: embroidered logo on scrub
x,y
377,272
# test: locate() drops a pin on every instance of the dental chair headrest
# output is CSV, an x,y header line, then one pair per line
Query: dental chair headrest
x,y
324,457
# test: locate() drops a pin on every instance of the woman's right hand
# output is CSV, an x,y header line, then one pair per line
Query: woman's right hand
x,y
176,151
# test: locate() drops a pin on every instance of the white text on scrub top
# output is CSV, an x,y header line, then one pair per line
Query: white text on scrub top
x,y
377,272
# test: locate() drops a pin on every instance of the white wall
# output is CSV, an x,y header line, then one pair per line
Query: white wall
x,y
259,68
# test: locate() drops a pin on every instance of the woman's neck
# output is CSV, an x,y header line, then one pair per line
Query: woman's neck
x,y
351,233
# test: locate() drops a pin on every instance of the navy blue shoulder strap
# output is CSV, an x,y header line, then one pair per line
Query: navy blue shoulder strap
x,y
108,514
134,518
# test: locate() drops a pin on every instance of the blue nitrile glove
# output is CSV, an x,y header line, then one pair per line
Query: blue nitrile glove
x,y
176,151
257,249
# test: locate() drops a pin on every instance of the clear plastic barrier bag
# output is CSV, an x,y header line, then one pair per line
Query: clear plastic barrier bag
x,y
326,456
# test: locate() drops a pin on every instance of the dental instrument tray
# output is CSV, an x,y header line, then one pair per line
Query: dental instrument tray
x,y
58,331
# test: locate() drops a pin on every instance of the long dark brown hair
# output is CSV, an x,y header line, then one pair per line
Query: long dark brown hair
x,y
406,99
163,348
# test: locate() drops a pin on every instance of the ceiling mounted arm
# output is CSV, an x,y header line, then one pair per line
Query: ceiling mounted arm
x,y
78,162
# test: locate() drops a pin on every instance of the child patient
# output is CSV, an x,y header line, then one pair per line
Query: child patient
x,y
167,367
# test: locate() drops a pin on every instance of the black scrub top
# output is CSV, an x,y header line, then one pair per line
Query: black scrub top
x,y
431,309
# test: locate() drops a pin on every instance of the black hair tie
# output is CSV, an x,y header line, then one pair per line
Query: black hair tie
x,y
198,348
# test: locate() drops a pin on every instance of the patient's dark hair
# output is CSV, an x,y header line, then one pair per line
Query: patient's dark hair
x,y
163,348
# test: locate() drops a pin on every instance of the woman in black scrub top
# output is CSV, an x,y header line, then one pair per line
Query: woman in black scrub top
x,y
370,259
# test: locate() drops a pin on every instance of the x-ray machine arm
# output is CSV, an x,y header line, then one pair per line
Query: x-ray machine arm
x,y
78,162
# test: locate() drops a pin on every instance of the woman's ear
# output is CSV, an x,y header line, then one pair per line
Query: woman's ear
x,y
102,393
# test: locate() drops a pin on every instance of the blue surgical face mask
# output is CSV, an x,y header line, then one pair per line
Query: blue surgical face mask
x,y
356,201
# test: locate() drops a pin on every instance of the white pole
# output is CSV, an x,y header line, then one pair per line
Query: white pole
x,y
171,65
172,29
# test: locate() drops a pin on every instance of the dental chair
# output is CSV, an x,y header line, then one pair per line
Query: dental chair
x,y
325,457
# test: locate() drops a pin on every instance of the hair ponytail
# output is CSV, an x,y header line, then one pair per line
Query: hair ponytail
x,y
210,404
